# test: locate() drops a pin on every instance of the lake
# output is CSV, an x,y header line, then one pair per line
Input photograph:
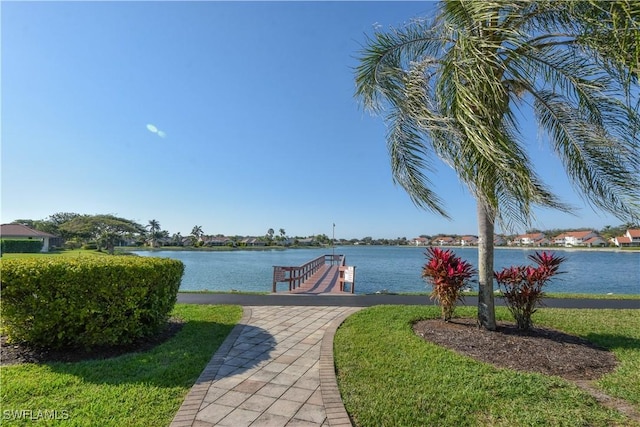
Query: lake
x,y
398,268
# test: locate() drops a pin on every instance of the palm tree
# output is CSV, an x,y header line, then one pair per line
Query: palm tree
x,y
154,229
176,239
451,88
196,234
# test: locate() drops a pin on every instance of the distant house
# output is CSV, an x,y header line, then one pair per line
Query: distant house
x,y
634,235
630,238
531,239
308,241
420,241
559,240
253,241
443,241
19,231
542,242
595,242
499,240
287,241
621,241
216,241
469,241
579,238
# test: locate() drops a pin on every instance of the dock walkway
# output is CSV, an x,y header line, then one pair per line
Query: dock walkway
x,y
324,275
323,281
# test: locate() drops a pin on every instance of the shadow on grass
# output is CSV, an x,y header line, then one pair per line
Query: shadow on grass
x,y
614,341
178,362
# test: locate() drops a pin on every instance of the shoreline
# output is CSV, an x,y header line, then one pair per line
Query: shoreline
x,y
396,269
558,248
426,295
283,248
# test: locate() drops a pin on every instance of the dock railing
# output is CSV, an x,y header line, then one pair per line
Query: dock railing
x,y
343,268
295,276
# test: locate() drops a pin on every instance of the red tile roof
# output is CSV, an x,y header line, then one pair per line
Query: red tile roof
x,y
19,230
634,233
574,234
533,236
579,234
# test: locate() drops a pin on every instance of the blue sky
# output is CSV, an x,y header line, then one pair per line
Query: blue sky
x,y
253,122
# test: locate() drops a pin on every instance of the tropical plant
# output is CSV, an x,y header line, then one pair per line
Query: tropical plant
x,y
51,224
523,285
196,234
154,232
105,230
176,239
448,275
459,87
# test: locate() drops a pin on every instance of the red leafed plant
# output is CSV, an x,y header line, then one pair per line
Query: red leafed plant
x,y
523,285
448,274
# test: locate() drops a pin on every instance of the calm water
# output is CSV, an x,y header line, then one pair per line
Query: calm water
x,y
397,269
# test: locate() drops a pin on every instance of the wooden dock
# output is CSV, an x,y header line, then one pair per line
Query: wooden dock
x,y
320,276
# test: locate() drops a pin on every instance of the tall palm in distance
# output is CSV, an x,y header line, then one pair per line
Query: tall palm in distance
x,y
457,87
196,233
176,239
154,230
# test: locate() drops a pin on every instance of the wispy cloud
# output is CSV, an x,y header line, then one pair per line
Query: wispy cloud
x,y
153,129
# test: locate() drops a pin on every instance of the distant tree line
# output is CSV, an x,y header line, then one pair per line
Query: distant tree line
x,y
106,231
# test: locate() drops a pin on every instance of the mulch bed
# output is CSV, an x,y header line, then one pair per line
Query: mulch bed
x,y
14,353
542,350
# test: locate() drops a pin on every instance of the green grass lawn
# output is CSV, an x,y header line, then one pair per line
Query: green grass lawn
x,y
387,375
76,253
390,377
551,295
140,389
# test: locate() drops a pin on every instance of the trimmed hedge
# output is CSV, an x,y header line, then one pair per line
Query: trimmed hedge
x,y
87,302
20,246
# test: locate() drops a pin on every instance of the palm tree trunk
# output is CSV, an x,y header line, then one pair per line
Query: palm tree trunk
x,y
486,309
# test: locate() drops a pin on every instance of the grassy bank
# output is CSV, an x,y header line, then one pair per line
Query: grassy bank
x,y
552,295
212,248
139,389
76,253
388,376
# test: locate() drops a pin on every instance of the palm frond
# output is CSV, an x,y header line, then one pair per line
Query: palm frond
x,y
603,168
451,86
409,158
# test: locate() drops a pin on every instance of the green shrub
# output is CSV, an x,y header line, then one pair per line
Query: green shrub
x,y
87,302
72,244
20,246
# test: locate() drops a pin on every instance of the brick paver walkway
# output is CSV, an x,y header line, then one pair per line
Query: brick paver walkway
x,y
275,369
